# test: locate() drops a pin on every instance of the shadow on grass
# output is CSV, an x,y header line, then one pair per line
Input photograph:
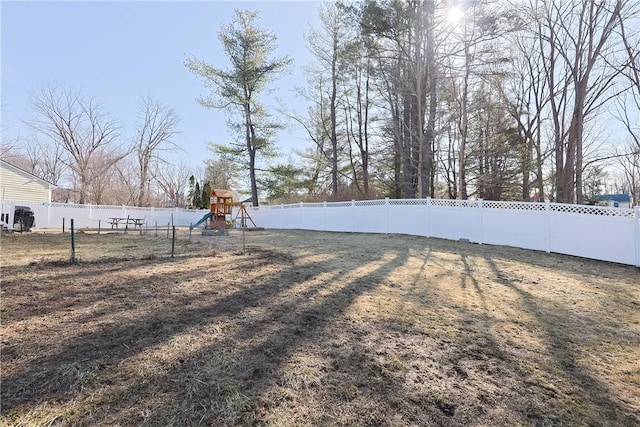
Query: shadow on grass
x,y
585,395
273,337
274,341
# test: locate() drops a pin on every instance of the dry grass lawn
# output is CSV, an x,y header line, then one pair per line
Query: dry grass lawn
x,y
311,328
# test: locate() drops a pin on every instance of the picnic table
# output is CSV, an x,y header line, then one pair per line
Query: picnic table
x,y
136,222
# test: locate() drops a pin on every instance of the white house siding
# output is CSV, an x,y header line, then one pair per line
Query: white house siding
x,y
21,186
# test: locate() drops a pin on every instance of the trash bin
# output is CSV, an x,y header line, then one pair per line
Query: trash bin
x,y
23,218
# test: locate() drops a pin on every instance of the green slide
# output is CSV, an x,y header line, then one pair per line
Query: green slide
x,y
203,219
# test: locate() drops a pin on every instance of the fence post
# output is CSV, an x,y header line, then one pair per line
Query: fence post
x,y
324,211
353,215
73,244
62,225
637,225
386,208
547,213
481,207
99,224
428,217
301,227
173,241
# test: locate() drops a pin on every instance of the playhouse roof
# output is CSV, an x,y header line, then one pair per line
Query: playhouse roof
x,y
614,197
226,194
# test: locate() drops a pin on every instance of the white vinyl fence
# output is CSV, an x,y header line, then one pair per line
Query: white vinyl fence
x,y
602,233
51,215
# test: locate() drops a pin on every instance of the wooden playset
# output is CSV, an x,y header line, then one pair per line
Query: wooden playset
x,y
221,208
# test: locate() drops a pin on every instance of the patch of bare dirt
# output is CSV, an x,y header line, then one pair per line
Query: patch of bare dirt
x,y
310,328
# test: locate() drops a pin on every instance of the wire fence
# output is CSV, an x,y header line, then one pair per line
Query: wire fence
x,y
73,246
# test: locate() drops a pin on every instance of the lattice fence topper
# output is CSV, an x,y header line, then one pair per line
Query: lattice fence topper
x,y
519,206
369,203
115,207
475,204
338,204
455,203
104,207
313,205
593,210
408,202
73,205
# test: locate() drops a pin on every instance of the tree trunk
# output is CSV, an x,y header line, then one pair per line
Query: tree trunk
x,y
428,140
408,170
575,139
526,167
250,141
143,182
462,186
334,124
365,136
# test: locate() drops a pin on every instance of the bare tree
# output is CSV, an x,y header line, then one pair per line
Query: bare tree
x,y
104,184
221,173
81,128
631,42
173,181
8,146
45,160
579,43
628,162
156,126
526,95
328,45
126,177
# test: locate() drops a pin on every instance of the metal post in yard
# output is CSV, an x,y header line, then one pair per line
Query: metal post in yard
x,y
173,241
156,228
99,223
190,228
62,225
73,244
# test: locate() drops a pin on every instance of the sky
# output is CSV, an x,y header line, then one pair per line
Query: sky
x,y
117,51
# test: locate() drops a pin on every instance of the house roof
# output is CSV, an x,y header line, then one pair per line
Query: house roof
x,y
24,172
614,197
